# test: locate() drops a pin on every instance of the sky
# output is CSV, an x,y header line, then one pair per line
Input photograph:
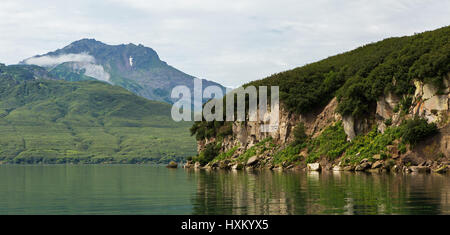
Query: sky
x,y
228,41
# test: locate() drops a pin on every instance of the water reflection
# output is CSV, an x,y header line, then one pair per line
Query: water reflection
x,y
267,192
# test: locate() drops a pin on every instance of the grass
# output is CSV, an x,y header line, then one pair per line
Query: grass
x,y
366,146
331,143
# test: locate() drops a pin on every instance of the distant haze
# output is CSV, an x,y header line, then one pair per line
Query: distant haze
x,y
230,42
46,61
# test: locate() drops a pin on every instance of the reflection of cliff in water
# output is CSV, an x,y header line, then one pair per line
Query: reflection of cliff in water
x,y
267,192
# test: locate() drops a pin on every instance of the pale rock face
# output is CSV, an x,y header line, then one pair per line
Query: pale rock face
x,y
437,102
354,127
429,104
349,127
385,109
248,134
386,105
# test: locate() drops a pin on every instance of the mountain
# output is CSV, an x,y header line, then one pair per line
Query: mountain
x,y
134,67
43,120
379,107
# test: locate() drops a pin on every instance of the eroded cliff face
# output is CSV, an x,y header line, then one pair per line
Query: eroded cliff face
x,y
431,103
428,102
245,135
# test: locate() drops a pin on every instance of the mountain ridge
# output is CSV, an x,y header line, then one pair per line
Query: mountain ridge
x,y
134,67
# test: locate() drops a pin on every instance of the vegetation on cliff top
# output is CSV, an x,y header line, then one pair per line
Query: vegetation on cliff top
x,y
359,77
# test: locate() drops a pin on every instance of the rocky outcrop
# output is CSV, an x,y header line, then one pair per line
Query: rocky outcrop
x,y
432,103
385,110
355,126
314,167
249,133
431,154
386,105
172,164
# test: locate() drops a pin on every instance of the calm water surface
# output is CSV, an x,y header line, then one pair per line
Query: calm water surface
x,y
146,189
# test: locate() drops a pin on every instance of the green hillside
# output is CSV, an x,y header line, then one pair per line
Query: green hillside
x,y
359,77
54,121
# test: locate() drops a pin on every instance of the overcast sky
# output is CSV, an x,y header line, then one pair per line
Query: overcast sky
x,y
231,42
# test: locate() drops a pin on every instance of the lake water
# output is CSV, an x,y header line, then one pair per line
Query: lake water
x,y
146,189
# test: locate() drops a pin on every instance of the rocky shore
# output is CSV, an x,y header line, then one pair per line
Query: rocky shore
x,y
404,165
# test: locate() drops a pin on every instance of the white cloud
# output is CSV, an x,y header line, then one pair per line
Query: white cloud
x,y
231,42
46,61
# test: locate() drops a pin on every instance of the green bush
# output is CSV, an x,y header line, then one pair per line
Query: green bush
x,y
374,142
417,129
388,122
289,155
331,143
299,134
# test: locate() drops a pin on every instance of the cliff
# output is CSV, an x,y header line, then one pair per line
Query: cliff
x,y
428,103
384,106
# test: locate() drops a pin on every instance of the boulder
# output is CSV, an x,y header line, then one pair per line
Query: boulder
x,y
395,168
224,165
442,169
420,169
237,166
172,164
314,167
349,168
214,164
377,157
252,161
362,166
410,159
188,164
377,164
337,168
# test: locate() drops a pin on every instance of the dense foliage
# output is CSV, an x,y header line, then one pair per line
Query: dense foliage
x,y
299,134
331,143
208,154
417,129
359,77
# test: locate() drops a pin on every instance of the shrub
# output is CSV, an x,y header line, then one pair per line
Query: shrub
x,y
289,155
331,143
417,129
299,134
211,151
388,122
374,142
